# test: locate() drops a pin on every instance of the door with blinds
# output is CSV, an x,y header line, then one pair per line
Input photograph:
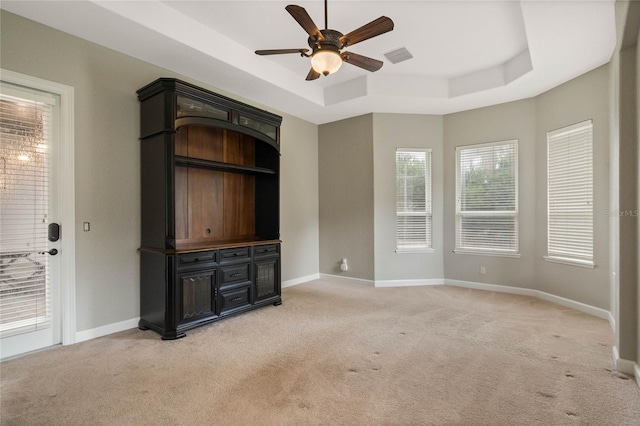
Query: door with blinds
x,y
29,234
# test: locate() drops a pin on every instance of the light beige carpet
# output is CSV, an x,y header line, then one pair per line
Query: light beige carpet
x,y
340,354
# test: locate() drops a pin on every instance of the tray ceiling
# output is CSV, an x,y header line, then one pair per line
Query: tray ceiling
x,y
466,54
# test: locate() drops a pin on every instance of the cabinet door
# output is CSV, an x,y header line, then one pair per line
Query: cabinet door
x,y
267,279
198,294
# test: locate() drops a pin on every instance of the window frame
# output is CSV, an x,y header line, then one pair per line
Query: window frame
x,y
565,257
428,202
459,214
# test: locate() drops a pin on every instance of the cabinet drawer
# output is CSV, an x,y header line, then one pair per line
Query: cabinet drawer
x,y
235,273
235,298
266,250
197,259
235,254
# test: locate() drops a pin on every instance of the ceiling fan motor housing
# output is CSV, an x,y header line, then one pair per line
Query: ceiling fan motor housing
x,y
331,41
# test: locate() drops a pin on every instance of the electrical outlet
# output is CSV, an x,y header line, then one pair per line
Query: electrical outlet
x,y
344,266
483,270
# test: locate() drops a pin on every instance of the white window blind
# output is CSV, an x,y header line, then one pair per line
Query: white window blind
x,y
25,132
570,194
413,199
487,198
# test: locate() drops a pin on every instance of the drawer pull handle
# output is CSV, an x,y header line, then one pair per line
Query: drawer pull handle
x,y
237,274
196,259
236,299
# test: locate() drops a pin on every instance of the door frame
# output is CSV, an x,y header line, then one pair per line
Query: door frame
x,y
66,185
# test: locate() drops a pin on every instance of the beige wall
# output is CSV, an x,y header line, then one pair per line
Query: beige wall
x,y
356,190
357,196
514,120
528,121
107,157
391,131
299,221
107,161
345,162
583,98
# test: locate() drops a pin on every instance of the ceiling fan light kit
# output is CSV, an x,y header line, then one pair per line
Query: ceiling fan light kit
x,y
327,45
326,61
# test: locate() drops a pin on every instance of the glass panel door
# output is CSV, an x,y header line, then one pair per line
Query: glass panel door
x,y
26,293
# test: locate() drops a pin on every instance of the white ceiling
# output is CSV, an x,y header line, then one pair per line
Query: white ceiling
x,y
466,54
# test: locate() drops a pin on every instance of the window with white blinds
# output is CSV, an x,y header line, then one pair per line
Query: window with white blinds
x,y
413,200
487,199
570,194
25,133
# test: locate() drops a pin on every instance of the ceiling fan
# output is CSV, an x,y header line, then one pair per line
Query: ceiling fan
x,y
326,45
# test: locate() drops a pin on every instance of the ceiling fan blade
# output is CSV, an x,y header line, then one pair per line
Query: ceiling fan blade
x,y
365,62
302,17
372,29
281,51
313,74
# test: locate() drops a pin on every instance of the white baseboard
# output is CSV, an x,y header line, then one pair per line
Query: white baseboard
x,y
578,306
300,280
408,283
93,333
386,283
492,287
347,279
624,365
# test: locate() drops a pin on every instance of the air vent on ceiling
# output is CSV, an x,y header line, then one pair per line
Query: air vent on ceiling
x,y
398,55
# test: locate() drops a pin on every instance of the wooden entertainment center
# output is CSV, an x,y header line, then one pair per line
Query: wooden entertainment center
x,y
210,170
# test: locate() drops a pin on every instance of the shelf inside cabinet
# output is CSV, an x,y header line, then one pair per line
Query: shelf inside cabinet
x,y
221,166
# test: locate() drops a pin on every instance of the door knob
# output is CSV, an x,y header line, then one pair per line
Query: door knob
x,y
52,252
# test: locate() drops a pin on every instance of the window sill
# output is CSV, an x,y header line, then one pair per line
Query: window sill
x,y
572,262
414,251
488,253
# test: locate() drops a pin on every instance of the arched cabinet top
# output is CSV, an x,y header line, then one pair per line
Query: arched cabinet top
x,y
180,103
212,122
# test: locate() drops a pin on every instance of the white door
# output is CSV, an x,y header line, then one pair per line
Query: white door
x,y
30,254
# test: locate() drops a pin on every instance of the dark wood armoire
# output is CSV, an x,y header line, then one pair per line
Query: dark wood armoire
x,y
210,170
